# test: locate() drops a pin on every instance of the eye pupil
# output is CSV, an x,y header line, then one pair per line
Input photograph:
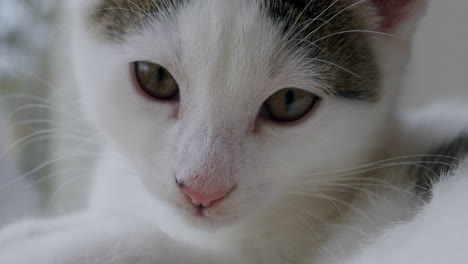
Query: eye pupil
x,y
161,74
289,105
290,98
156,81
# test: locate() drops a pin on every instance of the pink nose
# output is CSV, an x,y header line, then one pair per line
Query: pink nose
x,y
204,200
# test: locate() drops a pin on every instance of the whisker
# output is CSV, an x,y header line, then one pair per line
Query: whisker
x,y
139,8
115,8
58,125
333,17
317,17
303,220
368,165
322,222
46,164
44,132
30,107
361,31
336,65
68,171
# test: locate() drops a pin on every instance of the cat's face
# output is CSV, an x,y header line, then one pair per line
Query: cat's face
x,y
223,107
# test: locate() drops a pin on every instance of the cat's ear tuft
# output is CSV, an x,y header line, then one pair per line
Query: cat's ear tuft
x,y
400,15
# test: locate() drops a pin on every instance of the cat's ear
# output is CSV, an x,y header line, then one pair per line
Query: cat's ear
x,y
399,16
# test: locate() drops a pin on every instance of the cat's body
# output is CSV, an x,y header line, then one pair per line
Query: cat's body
x,y
204,178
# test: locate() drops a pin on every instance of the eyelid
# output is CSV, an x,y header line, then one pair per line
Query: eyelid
x,y
311,85
140,90
313,111
288,105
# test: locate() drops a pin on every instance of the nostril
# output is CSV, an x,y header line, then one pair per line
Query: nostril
x,y
180,183
204,200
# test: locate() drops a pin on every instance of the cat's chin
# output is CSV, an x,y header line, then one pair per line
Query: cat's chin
x,y
208,220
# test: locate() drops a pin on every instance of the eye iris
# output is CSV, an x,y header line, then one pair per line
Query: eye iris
x,y
290,104
156,81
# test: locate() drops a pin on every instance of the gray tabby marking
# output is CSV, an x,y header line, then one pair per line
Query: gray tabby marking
x,y
317,26
313,26
439,163
118,17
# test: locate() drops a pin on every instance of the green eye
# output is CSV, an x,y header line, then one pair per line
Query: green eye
x,y
289,105
156,81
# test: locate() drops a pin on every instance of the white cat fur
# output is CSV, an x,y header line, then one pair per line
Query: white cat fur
x,y
138,215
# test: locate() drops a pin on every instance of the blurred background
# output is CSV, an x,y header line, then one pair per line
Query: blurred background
x,y
44,138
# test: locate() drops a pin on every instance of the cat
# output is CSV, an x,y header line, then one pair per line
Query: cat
x,y
256,131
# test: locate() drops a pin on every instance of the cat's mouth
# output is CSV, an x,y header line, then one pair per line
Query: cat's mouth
x,y
214,219
209,211
217,214
205,204
209,219
203,213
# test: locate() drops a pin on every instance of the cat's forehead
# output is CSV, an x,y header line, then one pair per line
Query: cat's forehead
x,y
328,34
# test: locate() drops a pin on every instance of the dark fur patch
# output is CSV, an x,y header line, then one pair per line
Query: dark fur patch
x,y
346,62
440,162
119,17
320,22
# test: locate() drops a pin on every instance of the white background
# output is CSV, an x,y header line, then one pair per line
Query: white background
x,y
439,69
